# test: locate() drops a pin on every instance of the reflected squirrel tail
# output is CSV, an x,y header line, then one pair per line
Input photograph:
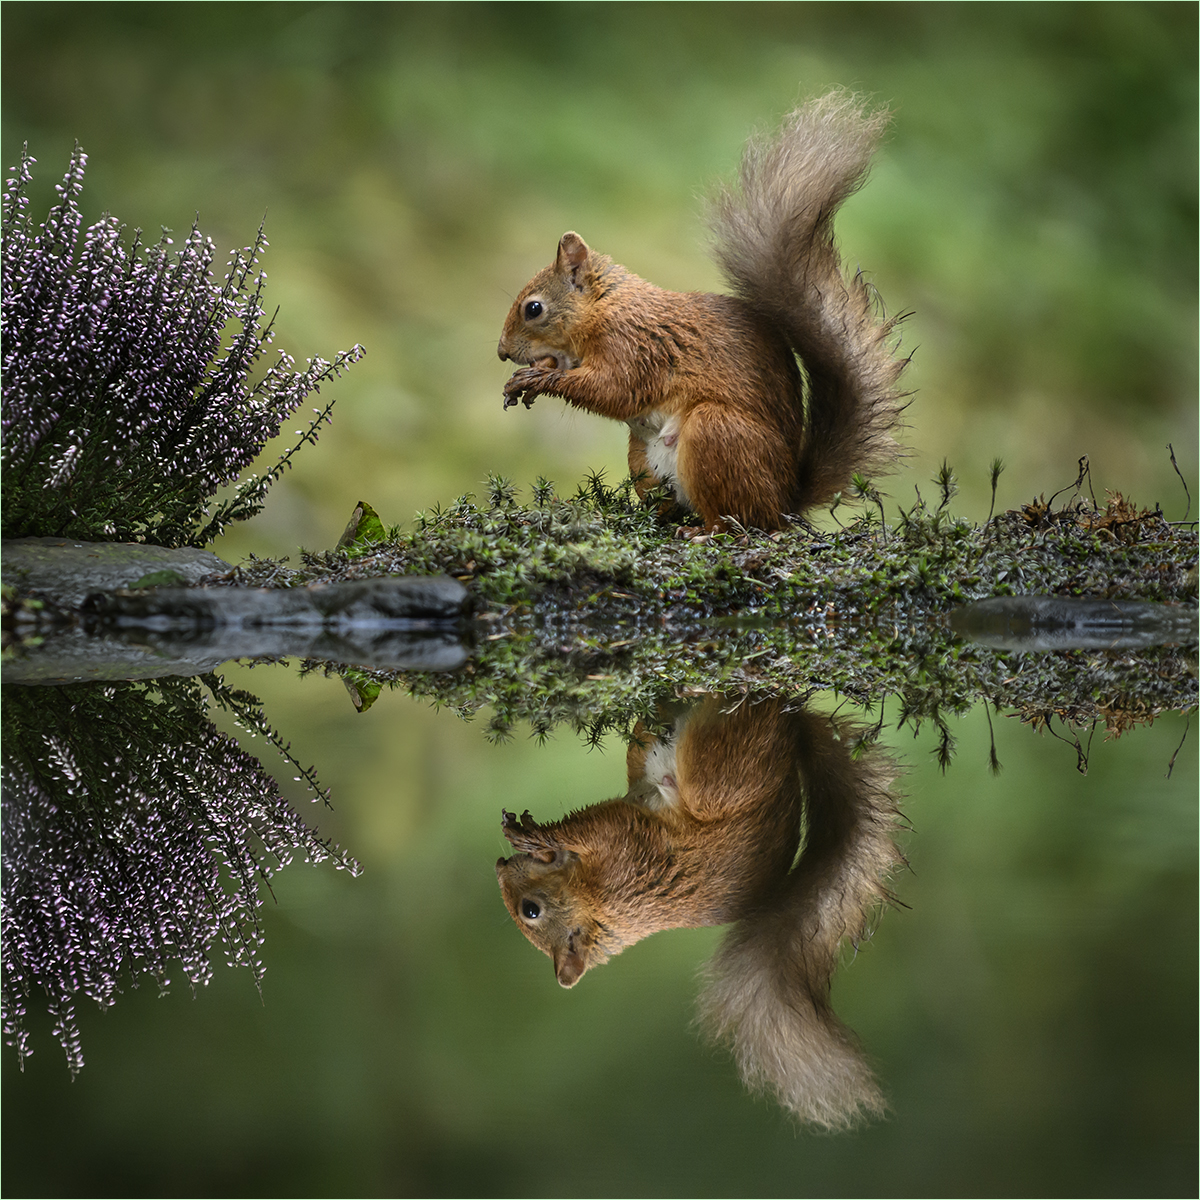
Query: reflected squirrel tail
x,y
766,990
773,234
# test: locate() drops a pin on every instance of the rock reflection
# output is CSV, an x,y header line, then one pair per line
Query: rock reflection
x,y
1039,623
775,819
134,833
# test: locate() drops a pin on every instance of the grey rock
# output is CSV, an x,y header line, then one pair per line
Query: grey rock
x,y
119,632
67,571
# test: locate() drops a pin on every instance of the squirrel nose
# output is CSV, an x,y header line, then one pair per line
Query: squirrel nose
x,y
500,352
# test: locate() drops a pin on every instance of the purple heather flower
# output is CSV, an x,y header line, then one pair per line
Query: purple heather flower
x,y
126,403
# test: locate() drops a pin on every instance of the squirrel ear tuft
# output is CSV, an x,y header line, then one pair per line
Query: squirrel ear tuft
x,y
572,255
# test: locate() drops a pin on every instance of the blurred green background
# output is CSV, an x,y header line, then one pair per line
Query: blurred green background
x,y
1033,1015
1035,207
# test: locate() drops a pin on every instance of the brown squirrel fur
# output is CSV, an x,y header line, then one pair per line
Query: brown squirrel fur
x,y
708,834
709,384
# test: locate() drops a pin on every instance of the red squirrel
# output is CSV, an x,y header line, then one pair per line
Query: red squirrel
x,y
717,406
707,834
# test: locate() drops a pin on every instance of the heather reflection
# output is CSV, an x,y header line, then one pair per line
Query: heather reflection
x,y
773,818
134,833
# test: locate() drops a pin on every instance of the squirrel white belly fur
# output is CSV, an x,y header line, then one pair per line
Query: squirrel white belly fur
x,y
659,436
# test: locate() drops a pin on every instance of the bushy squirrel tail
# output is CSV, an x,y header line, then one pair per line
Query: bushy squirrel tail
x,y
774,242
766,990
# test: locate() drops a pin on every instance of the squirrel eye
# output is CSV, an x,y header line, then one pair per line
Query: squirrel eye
x,y
529,910
533,309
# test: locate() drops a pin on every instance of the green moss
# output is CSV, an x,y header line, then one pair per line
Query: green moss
x,y
602,553
591,612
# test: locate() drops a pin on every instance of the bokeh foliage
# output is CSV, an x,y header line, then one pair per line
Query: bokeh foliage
x,y
1035,205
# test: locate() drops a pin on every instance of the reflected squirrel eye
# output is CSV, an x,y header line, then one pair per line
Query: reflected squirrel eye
x,y
529,910
533,309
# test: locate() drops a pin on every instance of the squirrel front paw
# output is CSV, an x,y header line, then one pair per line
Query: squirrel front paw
x,y
526,835
510,822
527,384
511,401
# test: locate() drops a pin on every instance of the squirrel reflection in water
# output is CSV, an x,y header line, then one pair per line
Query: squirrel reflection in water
x,y
708,834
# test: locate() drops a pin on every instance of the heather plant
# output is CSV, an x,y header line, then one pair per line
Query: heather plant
x,y
130,395
134,834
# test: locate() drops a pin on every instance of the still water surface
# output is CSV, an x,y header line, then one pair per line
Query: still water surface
x,y
1027,1005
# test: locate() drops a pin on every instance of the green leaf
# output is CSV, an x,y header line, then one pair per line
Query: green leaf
x,y
364,690
365,526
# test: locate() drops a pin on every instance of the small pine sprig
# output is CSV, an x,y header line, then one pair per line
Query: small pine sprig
x,y
862,488
946,483
996,471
